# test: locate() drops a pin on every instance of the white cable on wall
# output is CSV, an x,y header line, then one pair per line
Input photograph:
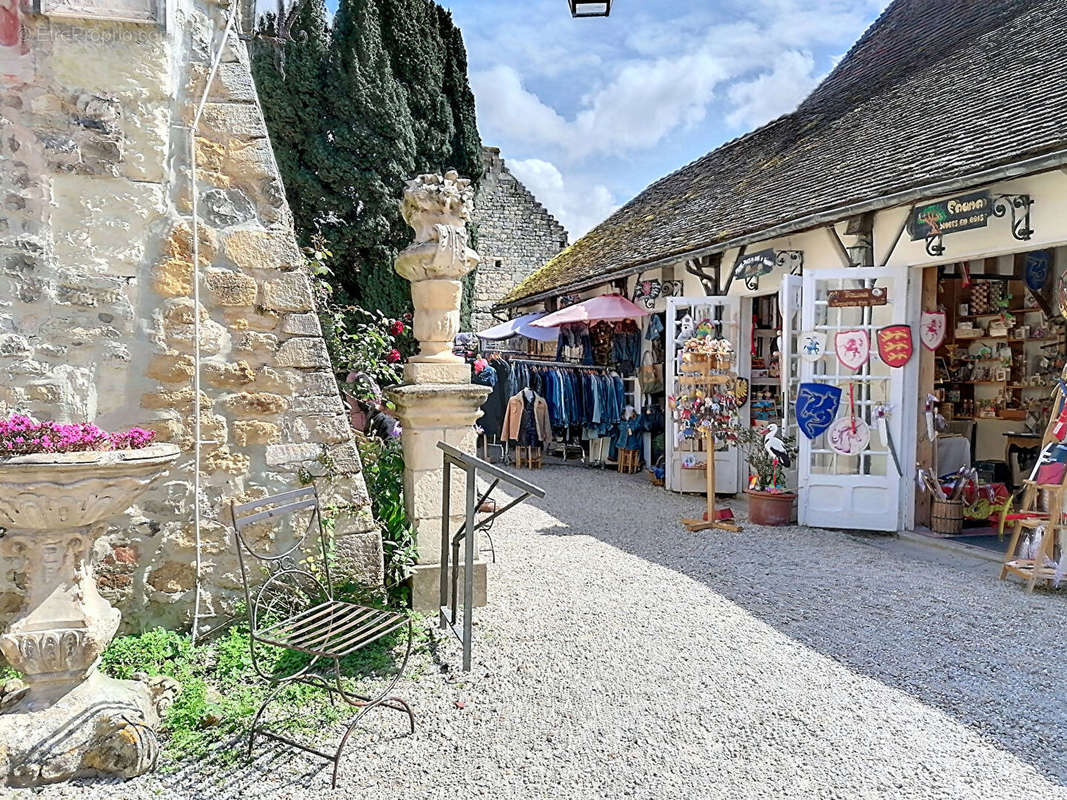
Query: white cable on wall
x,y
195,229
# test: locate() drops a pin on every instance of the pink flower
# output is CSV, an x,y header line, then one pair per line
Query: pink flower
x,y
396,328
393,356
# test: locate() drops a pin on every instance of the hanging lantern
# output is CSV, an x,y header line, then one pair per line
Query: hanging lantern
x,y
585,8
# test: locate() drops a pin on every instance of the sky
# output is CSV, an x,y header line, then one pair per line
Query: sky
x,y
588,112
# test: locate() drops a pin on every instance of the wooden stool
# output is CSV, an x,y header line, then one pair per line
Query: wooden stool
x,y
531,455
629,461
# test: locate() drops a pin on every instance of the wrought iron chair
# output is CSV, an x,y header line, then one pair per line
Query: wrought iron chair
x,y
294,609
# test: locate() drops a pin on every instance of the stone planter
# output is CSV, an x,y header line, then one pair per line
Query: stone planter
x,y
69,719
770,508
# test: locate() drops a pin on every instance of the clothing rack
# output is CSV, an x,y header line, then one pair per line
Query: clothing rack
x,y
560,364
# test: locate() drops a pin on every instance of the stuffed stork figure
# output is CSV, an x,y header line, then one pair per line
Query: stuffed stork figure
x,y
774,446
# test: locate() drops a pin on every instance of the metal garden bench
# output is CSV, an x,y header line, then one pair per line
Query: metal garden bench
x,y
295,609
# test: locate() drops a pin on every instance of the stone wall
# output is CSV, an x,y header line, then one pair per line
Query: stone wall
x,y
96,314
516,236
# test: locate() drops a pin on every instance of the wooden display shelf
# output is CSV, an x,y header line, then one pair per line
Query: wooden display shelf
x,y
993,314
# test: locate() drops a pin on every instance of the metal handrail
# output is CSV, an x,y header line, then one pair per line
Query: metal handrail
x,y
471,465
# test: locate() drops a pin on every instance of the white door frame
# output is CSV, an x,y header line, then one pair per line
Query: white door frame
x,y
844,499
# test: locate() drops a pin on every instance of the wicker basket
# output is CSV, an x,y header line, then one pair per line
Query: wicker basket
x,y
946,516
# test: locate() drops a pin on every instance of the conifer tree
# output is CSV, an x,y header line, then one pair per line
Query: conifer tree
x,y
364,158
466,145
294,75
416,50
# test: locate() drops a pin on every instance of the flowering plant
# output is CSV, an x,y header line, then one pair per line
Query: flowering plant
x,y
22,435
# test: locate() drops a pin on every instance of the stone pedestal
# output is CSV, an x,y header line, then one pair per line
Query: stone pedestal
x,y
428,414
437,402
67,719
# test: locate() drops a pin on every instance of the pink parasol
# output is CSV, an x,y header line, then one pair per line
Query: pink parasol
x,y
605,307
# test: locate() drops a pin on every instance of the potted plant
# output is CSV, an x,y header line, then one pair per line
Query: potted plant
x,y
768,453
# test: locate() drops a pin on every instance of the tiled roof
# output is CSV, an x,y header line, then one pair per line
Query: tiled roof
x,y
934,89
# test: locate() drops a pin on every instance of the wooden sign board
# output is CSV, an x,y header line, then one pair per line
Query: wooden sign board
x,y
857,298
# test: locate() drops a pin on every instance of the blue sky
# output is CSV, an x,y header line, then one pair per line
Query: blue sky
x,y
588,112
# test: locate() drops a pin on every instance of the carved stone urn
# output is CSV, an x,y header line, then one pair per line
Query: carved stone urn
x,y
67,719
437,207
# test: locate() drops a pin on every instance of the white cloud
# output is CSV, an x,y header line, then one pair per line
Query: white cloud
x,y
578,205
773,93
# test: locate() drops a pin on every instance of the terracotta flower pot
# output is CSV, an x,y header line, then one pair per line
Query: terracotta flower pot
x,y
770,508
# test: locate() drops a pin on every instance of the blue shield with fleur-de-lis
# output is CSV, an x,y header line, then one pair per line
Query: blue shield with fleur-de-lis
x,y
817,405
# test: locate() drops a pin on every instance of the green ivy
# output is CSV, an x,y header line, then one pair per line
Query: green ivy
x,y
383,469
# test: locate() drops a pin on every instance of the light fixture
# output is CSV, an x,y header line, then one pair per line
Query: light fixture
x,y
585,8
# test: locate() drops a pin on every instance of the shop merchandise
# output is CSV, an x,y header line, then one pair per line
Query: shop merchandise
x,y
626,346
932,328
526,420
812,345
574,343
853,348
895,345
816,407
494,405
602,336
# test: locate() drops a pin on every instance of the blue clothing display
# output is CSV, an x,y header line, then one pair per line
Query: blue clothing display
x,y
629,433
576,397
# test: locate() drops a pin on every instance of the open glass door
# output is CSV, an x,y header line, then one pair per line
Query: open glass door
x,y
861,492
685,462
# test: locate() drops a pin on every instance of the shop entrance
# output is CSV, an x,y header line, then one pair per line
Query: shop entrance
x,y
837,490
990,380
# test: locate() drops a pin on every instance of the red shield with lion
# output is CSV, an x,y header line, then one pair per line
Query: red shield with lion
x,y
895,345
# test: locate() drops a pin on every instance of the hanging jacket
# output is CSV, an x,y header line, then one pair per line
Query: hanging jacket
x,y
513,418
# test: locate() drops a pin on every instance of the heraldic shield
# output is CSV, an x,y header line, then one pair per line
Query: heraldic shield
x,y
817,405
895,345
932,328
853,348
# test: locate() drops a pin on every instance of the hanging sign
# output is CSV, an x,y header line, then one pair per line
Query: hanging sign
x,y
857,298
895,345
848,436
853,348
956,214
812,345
755,264
817,405
932,327
1037,269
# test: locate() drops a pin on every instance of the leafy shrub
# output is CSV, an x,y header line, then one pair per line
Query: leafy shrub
x,y
383,469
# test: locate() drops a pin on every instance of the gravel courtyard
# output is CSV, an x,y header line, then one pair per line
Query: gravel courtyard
x,y
622,656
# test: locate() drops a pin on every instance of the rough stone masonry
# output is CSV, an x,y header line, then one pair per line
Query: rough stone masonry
x,y
96,315
516,236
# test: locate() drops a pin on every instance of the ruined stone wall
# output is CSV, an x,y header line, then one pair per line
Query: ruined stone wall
x,y
96,315
516,236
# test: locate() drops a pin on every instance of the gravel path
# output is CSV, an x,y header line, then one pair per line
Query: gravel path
x,y
624,657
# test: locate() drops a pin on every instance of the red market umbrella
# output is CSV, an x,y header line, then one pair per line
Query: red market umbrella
x,y
605,307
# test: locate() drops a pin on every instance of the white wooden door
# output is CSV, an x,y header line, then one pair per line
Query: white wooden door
x,y
691,311
860,492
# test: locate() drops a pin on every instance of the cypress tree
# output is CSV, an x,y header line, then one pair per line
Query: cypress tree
x,y
466,145
364,157
293,111
412,37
